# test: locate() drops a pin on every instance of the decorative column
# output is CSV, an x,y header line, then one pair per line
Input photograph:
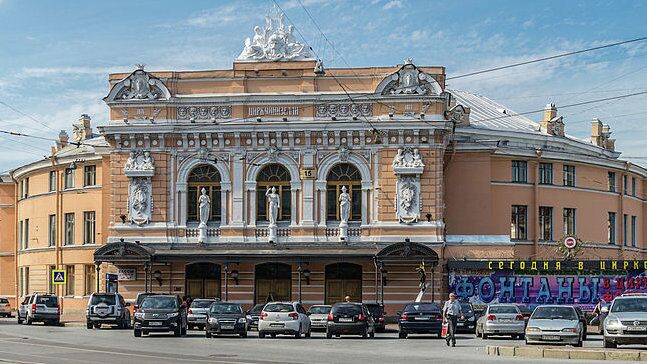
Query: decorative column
x,y
238,176
250,187
295,186
408,166
308,208
140,169
321,191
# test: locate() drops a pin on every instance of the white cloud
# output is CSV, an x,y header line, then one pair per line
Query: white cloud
x,y
222,15
392,4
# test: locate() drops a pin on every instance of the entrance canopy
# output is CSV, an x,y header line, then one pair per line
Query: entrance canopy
x,y
407,252
123,252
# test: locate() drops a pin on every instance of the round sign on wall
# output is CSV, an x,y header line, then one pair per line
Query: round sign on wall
x,y
570,242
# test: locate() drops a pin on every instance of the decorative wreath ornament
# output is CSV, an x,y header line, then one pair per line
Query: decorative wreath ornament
x,y
570,246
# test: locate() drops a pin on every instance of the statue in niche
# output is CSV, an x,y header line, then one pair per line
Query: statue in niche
x,y
205,207
344,205
274,204
132,159
147,161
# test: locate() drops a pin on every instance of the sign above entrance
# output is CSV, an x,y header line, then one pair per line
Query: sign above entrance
x,y
273,111
127,274
59,276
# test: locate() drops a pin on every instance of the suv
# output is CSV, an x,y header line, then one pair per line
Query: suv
x,y
107,308
161,313
21,310
351,319
284,318
140,299
626,322
5,307
376,310
41,308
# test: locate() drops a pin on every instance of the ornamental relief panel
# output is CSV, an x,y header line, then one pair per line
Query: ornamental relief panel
x,y
203,112
343,109
408,166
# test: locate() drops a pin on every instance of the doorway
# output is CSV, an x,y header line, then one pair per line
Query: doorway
x,y
273,282
343,279
202,280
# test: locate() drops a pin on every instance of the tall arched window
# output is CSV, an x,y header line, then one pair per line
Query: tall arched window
x,y
207,177
344,174
273,175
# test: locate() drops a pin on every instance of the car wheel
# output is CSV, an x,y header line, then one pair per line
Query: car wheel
x,y
298,334
178,331
610,344
521,336
56,323
273,336
207,334
191,327
138,333
183,331
28,321
309,333
402,335
261,335
328,334
439,335
527,341
19,320
244,334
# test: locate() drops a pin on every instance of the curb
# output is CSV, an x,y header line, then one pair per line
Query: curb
x,y
566,353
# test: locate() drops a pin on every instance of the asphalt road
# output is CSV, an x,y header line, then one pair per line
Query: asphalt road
x,y
46,344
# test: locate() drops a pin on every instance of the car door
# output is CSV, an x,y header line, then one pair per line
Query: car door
x,y
303,318
22,309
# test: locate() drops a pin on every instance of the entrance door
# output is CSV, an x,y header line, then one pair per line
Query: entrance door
x,y
343,279
273,282
203,280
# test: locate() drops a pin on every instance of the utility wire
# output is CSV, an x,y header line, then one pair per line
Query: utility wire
x,y
26,115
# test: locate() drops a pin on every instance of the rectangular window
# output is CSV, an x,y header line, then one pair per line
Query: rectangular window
x,y
545,173
69,178
69,228
89,175
518,223
26,234
50,285
611,228
26,187
625,184
69,285
88,227
625,229
633,231
569,175
633,186
90,280
569,221
21,188
545,223
23,281
612,181
519,171
51,230
21,226
52,181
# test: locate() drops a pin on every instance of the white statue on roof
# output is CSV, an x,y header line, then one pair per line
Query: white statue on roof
x,y
274,43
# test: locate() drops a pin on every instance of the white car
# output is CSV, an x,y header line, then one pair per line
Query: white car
x,y
284,318
319,316
626,322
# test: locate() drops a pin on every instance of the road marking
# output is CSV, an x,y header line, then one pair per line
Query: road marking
x,y
135,355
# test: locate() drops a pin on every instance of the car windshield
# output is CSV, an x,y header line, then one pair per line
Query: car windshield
x,y
630,305
375,310
201,303
466,308
554,313
49,301
415,307
226,309
504,309
257,309
346,309
278,307
160,303
319,310
142,296
109,300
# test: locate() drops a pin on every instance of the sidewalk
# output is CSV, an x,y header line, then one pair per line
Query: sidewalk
x,y
555,352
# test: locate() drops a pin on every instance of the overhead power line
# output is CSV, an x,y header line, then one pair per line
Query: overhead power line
x,y
548,58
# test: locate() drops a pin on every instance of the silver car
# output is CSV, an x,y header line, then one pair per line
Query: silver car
x,y
319,316
197,314
555,324
626,322
5,307
501,319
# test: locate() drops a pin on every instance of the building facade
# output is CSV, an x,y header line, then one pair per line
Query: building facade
x,y
279,179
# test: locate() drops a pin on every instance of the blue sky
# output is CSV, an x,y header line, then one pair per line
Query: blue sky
x,y
55,55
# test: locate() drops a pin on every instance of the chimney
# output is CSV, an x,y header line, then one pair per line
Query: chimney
x,y
550,112
62,140
551,123
601,135
85,122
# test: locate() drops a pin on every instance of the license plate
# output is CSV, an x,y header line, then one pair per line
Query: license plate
x,y
155,323
422,318
344,319
636,328
551,338
460,324
227,327
279,325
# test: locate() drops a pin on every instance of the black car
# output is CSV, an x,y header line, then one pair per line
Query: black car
x,y
468,323
253,316
226,318
161,313
350,319
420,318
377,312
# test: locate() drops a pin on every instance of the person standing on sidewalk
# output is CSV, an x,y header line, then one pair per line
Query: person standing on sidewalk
x,y
451,312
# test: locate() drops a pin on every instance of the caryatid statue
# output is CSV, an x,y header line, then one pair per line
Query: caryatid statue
x,y
344,205
205,207
274,204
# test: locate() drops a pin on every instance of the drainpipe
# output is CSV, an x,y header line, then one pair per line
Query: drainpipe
x,y
535,213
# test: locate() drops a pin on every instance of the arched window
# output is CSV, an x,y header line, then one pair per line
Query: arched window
x,y
273,175
207,177
344,175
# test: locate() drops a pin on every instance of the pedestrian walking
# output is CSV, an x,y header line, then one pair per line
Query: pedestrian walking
x,y
451,312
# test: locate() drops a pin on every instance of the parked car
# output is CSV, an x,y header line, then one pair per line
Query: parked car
x,y
43,308
253,316
350,319
501,319
319,316
21,310
582,317
140,299
525,311
420,318
377,312
555,324
468,323
5,307
283,318
226,318
107,308
161,313
197,313
626,321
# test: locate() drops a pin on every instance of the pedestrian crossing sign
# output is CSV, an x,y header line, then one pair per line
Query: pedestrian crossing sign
x,y
59,276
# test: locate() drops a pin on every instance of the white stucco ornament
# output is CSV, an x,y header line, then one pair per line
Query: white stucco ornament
x,y
140,168
274,42
408,166
139,86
